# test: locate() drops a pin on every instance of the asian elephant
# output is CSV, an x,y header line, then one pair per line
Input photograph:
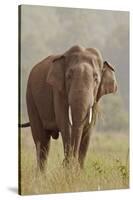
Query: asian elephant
x,y
62,94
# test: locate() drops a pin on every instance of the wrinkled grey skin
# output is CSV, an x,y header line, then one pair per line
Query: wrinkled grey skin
x,y
76,80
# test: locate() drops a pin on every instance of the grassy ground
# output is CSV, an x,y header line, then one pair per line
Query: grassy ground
x,y
106,166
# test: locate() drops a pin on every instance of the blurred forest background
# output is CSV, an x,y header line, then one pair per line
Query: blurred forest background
x,y
53,30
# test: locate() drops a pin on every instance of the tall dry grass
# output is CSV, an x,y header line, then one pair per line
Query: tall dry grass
x,y
107,166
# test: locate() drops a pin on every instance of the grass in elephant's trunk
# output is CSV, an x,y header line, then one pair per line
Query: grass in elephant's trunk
x,y
106,166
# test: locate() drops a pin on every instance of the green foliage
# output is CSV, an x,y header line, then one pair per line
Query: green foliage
x,y
113,116
123,170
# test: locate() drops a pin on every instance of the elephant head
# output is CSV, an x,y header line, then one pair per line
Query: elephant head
x,y
83,76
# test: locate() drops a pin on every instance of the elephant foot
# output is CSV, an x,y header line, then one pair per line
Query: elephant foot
x,y
71,163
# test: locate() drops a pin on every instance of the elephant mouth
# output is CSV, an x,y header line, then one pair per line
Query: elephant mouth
x,y
88,115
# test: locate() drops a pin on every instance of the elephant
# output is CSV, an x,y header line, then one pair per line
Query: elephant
x,y
63,92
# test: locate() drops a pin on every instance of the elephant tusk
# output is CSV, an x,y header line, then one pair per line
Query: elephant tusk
x,y
90,116
70,115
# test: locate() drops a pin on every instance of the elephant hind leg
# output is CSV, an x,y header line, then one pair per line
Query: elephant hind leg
x,y
42,149
40,136
41,140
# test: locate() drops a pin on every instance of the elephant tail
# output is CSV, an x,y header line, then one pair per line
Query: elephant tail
x,y
53,133
25,125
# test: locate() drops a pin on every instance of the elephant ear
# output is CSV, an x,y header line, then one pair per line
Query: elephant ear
x,y
55,75
108,81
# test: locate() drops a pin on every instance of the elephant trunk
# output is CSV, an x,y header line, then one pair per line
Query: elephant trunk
x,y
77,131
79,110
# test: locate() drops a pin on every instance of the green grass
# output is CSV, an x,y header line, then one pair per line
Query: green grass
x,y
106,167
